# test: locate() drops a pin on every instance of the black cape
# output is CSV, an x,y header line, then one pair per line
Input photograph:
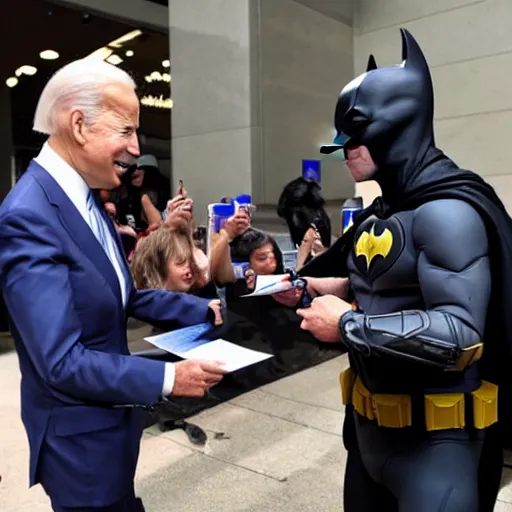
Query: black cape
x,y
442,179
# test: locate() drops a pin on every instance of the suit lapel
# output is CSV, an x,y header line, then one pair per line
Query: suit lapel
x,y
77,228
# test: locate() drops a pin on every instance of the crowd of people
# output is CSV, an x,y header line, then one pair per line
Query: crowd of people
x,y
167,249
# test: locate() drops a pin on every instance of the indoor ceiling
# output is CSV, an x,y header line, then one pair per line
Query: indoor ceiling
x,y
341,10
37,25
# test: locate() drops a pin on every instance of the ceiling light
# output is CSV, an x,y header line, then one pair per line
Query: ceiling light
x,y
49,55
156,76
130,53
114,59
118,43
26,70
166,63
157,102
12,82
100,54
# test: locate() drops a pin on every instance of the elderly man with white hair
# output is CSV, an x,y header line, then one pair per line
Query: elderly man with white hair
x,y
68,292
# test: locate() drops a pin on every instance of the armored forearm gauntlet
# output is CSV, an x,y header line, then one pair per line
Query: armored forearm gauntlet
x,y
426,337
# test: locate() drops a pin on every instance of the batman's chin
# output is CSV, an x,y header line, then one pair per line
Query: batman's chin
x,y
362,173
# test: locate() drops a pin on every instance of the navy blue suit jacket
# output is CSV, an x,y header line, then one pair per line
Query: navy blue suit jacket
x,y
69,325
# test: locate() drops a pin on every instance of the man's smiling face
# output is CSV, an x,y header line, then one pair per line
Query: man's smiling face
x,y
110,143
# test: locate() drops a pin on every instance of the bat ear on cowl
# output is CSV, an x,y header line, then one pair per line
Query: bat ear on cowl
x,y
372,64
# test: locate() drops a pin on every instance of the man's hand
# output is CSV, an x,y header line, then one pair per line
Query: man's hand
x,y
316,286
215,307
237,225
194,377
289,298
323,316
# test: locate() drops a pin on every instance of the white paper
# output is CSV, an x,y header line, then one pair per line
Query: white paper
x,y
182,340
182,343
268,285
233,356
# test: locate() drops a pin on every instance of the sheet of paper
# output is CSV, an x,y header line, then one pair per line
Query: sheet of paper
x,y
233,356
181,340
268,285
184,343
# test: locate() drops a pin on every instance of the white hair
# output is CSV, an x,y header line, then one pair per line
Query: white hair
x,y
77,85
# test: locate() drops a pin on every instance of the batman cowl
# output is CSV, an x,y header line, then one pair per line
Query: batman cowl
x,y
390,110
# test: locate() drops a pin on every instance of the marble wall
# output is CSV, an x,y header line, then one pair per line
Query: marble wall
x,y
468,44
306,59
216,126
254,84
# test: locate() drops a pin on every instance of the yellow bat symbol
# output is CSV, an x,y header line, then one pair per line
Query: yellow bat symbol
x,y
369,245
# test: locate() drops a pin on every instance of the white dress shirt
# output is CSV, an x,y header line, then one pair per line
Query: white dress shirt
x,y
77,191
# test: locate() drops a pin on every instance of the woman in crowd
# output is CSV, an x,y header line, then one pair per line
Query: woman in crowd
x,y
165,259
139,199
302,206
237,242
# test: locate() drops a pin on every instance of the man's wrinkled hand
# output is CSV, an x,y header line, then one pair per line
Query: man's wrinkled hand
x,y
193,378
215,306
323,316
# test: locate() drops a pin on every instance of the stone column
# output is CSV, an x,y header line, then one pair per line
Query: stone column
x,y
216,128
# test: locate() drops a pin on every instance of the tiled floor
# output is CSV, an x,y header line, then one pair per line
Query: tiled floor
x,y
277,448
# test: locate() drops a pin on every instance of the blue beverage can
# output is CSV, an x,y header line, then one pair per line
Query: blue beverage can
x,y
350,207
240,269
348,218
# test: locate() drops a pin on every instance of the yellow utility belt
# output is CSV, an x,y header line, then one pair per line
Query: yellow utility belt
x,y
442,411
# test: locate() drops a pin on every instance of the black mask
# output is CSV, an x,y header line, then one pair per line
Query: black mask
x,y
390,111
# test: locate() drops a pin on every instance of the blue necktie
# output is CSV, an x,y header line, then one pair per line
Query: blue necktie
x,y
102,233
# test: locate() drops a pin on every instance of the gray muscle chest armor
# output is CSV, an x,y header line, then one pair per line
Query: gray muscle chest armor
x,y
421,298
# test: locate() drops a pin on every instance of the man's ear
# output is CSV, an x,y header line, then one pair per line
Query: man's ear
x,y
78,127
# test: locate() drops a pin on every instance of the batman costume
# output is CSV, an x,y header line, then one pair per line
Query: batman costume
x,y
429,339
